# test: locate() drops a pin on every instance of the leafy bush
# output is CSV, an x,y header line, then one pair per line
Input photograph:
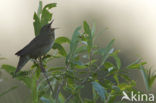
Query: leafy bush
x,y
86,66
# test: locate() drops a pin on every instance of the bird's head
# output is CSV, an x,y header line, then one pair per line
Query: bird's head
x,y
47,28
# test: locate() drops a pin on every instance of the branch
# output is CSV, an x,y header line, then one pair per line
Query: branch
x,y
45,75
68,98
58,91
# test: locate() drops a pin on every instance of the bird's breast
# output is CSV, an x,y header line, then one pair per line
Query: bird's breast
x,y
43,47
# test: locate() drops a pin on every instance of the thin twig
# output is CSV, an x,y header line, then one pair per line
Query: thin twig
x,y
44,73
58,91
90,60
68,98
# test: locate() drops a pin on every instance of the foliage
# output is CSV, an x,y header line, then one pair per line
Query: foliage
x,y
7,91
85,66
1,80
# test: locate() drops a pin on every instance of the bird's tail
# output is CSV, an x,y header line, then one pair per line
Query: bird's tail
x,y
22,61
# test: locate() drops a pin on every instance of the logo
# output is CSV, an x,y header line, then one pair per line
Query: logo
x,y
137,97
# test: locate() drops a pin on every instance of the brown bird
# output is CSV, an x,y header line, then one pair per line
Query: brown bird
x,y
39,46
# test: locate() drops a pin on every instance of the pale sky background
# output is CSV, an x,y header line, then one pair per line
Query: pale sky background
x,y
131,22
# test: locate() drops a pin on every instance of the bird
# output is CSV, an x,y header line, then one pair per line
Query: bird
x,y
38,47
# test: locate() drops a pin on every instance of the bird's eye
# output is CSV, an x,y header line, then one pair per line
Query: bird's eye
x,y
48,26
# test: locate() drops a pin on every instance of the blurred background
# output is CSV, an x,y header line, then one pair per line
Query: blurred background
x,y
131,22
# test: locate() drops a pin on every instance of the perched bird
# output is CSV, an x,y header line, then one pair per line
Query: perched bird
x,y
39,46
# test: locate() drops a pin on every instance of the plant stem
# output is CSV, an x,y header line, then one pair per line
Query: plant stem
x,y
45,75
68,98
58,91
90,59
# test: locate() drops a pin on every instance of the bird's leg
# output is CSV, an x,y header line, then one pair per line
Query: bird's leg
x,y
35,61
41,65
45,74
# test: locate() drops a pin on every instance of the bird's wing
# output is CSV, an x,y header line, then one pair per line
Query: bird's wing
x,y
31,46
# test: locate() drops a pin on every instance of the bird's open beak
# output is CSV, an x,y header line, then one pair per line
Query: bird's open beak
x,y
56,28
51,22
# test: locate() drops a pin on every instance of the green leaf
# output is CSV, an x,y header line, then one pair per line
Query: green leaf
x,y
7,91
73,44
23,73
34,89
61,40
8,68
145,77
39,11
125,77
108,65
91,62
115,88
46,15
75,40
81,66
89,37
95,95
49,6
60,49
86,28
106,51
116,78
125,86
136,64
26,80
81,49
93,30
88,101
100,90
117,59
37,24
45,100
151,77
61,98
152,80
